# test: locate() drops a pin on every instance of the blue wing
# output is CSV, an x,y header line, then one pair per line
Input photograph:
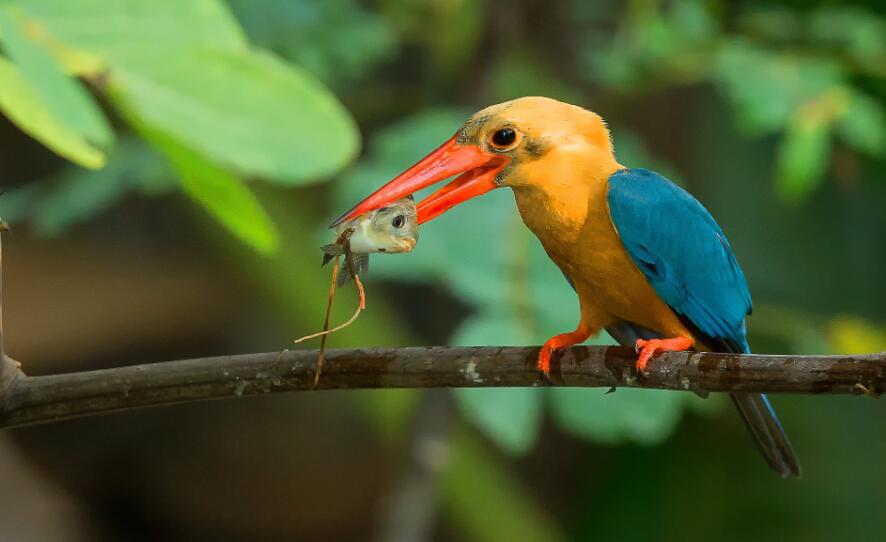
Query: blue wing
x,y
684,254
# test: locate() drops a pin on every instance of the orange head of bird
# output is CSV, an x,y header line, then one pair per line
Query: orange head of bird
x,y
520,143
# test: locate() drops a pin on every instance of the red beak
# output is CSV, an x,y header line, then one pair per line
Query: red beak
x,y
477,167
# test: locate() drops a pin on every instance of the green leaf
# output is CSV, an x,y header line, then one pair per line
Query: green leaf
x,y
21,102
803,156
248,111
861,33
643,416
695,21
510,416
223,195
227,199
76,195
64,97
17,204
186,68
863,125
114,30
75,198
781,83
231,203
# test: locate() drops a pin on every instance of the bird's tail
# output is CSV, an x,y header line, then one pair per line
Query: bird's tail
x,y
770,437
754,408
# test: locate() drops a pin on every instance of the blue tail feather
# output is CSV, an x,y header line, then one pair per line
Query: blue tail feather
x,y
755,409
768,433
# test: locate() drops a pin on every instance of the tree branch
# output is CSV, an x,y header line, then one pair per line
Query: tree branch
x,y
41,399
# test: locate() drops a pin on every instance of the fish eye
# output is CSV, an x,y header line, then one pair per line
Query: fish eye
x,y
503,138
398,222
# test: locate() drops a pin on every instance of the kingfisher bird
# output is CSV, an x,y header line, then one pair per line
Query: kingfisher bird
x,y
649,263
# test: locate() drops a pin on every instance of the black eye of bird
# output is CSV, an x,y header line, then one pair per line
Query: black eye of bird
x,y
398,222
504,137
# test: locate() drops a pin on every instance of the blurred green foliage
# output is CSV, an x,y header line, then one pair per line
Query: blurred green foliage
x,y
772,113
185,73
300,32
803,73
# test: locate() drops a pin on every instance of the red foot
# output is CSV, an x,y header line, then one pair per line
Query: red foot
x,y
559,342
649,348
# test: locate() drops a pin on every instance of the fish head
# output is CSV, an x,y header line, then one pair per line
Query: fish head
x,y
394,227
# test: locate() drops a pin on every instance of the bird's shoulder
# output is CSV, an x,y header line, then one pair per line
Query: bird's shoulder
x,y
636,187
682,251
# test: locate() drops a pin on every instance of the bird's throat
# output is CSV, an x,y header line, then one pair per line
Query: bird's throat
x,y
558,212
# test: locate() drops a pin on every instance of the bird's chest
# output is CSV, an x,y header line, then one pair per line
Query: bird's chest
x,y
577,233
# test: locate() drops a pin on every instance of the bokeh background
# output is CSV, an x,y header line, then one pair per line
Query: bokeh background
x,y
169,167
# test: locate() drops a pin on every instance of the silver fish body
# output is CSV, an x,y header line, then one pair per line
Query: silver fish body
x,y
391,229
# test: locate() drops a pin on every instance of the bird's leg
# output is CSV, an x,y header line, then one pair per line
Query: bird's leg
x,y
649,348
559,342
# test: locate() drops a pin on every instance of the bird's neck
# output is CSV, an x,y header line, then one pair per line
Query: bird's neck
x,y
558,204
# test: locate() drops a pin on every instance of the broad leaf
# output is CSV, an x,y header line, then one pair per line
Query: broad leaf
x,y
863,125
510,416
223,195
249,111
64,96
803,156
115,29
780,84
21,102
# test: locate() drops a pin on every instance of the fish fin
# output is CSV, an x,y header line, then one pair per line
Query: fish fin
x,y
330,251
333,249
361,265
344,275
361,262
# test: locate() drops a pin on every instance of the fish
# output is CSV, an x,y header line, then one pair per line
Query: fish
x,y
390,229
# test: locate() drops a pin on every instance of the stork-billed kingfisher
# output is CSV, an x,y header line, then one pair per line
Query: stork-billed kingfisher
x,y
649,263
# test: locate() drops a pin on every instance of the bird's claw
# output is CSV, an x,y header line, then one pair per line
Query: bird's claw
x,y
557,343
648,348
544,360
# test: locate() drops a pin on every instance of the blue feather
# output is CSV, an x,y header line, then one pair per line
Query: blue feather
x,y
683,253
686,257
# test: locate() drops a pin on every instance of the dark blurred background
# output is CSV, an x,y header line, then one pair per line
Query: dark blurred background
x,y
169,168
